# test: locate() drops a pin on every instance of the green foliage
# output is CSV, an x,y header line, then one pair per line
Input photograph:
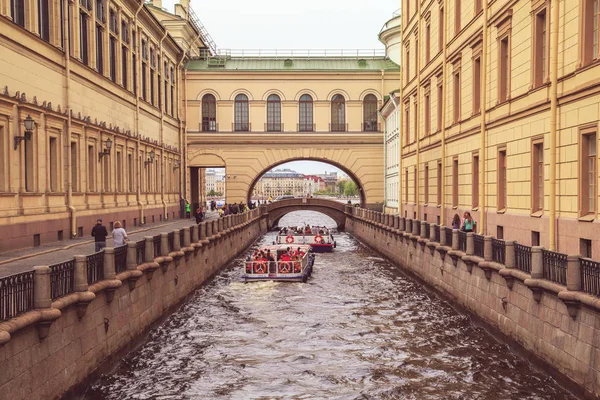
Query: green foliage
x,y
350,189
212,193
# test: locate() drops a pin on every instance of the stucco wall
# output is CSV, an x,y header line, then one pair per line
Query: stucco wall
x,y
545,328
34,369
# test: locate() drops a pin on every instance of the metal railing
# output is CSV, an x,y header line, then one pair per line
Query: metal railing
x,y
156,245
209,126
62,278
140,251
436,230
240,126
371,127
555,266
171,240
304,127
273,127
338,127
302,53
462,241
448,237
498,251
590,276
478,245
120,258
523,258
16,294
95,267
181,234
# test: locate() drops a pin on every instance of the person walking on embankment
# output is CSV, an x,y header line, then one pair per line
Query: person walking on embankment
x,y
99,233
119,235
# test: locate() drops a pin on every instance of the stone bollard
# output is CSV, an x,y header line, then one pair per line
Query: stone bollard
x,y
201,232
164,244
423,230
454,239
396,221
109,263
42,295
149,254
487,248
416,226
209,229
509,255
402,224
537,262
220,225
443,236
432,232
573,273
187,235
470,244
177,241
132,256
80,283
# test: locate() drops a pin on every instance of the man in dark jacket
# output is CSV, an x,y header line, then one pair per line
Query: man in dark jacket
x,y
99,233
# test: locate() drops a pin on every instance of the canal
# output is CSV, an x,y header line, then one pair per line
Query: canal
x,y
359,329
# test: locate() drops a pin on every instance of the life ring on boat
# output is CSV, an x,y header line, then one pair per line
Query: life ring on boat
x,y
318,239
284,267
259,268
289,239
297,267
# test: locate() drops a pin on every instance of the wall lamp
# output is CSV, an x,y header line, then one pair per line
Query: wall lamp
x,y
106,151
29,127
150,158
177,164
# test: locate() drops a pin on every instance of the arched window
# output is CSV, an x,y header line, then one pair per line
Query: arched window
x,y
274,114
209,113
338,113
370,113
241,113
306,114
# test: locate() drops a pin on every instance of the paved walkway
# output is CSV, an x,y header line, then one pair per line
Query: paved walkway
x,y
14,262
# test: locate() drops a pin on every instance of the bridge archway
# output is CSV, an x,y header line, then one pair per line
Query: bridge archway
x,y
333,209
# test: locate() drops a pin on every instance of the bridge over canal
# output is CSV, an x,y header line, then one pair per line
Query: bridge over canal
x,y
331,208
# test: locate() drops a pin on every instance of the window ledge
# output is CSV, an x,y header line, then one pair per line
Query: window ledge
x,y
475,208
537,214
501,211
439,206
587,218
455,207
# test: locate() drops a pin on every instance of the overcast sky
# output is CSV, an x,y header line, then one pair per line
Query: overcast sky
x,y
286,24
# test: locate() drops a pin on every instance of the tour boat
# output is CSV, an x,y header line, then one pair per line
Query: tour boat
x,y
319,238
284,268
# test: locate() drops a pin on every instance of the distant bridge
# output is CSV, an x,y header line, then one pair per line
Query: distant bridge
x,y
331,208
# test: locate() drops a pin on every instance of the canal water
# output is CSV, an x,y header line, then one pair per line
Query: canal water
x,y
359,329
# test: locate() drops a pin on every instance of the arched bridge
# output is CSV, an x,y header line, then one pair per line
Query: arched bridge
x,y
333,209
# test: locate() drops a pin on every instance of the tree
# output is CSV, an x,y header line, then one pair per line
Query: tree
x,y
288,193
341,186
350,189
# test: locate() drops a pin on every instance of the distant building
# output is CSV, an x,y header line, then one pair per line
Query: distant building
x,y
312,184
331,180
278,183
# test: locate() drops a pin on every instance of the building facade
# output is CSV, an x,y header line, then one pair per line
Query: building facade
x,y
279,182
390,112
495,122
103,92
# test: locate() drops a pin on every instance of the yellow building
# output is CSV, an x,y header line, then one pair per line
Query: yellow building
x,y
279,182
103,92
500,112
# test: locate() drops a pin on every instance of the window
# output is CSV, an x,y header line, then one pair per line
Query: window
x,y
501,186
406,185
415,184
144,82
407,63
427,112
588,167
166,84
4,177
591,34
53,161
74,168
209,113
476,85
440,104
407,123
370,113
503,70
44,19
17,10
83,38
91,168
500,232
99,49
440,180
105,174
540,52
338,113
585,248
535,238
152,98
124,64
172,103
274,113
119,175
306,113
537,177
441,30
475,181
456,100
457,10
426,183
455,182
113,59
134,83
130,172
478,6
427,41
241,113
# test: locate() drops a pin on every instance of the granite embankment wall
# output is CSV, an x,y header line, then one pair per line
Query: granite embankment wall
x,y
50,349
557,322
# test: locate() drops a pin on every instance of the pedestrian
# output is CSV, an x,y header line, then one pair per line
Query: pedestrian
x,y
119,235
468,224
456,222
187,209
99,233
199,215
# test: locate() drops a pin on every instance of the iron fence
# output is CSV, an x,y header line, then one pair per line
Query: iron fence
x,y
436,230
95,267
140,251
120,258
555,266
590,276
523,258
156,243
16,294
171,240
448,237
478,245
62,278
499,250
462,241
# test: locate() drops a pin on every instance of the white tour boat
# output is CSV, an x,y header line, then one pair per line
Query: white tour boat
x,y
280,263
319,238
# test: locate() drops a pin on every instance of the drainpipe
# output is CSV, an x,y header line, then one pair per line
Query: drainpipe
x,y
443,128
384,160
67,138
483,107
553,119
182,128
138,194
162,133
417,119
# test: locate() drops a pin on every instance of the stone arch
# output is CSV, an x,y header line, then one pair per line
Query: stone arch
x,y
370,91
241,91
208,91
306,91
338,91
274,91
333,209
206,160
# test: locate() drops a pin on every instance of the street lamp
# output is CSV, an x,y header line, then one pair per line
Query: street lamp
x,y
150,158
106,151
29,127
